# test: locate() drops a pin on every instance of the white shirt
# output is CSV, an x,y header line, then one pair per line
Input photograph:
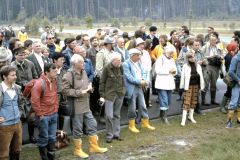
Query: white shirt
x,y
40,60
10,91
213,51
59,70
137,70
146,64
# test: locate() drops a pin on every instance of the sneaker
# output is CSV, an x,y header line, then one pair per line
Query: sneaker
x,y
109,140
229,124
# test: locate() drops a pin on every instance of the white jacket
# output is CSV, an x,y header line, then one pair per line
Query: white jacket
x,y
186,74
164,79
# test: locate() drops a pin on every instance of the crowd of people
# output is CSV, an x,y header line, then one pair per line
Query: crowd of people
x,y
96,76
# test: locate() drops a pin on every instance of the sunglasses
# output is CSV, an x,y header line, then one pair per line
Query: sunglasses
x,y
50,38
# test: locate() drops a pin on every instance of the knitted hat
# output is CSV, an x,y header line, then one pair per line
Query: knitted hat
x,y
5,54
231,47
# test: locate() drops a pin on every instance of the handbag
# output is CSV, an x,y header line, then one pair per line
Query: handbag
x,y
66,105
62,139
229,81
65,108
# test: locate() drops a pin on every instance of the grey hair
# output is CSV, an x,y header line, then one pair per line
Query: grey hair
x,y
76,58
114,56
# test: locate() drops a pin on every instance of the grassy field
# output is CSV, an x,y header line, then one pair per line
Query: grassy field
x,y
225,28
206,140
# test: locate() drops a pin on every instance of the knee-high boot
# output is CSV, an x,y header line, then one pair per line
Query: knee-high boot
x,y
213,96
223,104
203,95
184,117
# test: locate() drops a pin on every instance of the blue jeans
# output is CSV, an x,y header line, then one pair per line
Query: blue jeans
x,y
89,122
139,97
235,99
164,97
47,127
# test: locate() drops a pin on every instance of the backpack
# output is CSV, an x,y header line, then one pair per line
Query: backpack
x,y
28,87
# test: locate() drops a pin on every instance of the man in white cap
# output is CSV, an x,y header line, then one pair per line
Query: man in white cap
x,y
135,82
103,56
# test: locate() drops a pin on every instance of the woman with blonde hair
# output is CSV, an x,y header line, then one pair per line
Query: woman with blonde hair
x,y
191,81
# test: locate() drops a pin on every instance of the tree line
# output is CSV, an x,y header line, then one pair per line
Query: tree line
x,y
100,10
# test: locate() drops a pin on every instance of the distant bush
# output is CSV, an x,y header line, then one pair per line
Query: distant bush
x,y
224,25
148,22
60,20
115,23
32,25
45,22
134,21
89,21
74,21
22,15
232,26
124,22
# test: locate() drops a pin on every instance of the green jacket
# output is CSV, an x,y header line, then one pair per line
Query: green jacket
x,y
111,82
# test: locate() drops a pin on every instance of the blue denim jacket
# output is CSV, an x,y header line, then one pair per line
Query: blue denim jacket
x,y
130,78
89,69
9,110
234,70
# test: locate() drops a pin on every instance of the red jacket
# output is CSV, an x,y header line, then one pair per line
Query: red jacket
x,y
48,103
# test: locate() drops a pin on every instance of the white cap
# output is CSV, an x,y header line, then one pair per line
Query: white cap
x,y
134,51
139,41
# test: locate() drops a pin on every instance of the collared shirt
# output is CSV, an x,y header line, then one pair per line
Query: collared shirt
x,y
20,64
122,52
40,60
59,70
213,51
137,70
10,90
50,84
151,36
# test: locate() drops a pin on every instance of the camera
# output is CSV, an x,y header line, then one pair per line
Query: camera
x,y
100,103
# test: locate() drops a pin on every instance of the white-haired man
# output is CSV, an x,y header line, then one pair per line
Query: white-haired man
x,y
112,91
77,88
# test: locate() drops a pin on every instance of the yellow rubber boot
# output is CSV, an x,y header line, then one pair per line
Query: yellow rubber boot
x,y
145,124
94,147
132,127
238,115
78,149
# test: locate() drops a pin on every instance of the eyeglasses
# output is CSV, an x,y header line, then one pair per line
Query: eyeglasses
x,y
50,38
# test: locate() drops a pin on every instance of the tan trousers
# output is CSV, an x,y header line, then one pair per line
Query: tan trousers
x,y
10,140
